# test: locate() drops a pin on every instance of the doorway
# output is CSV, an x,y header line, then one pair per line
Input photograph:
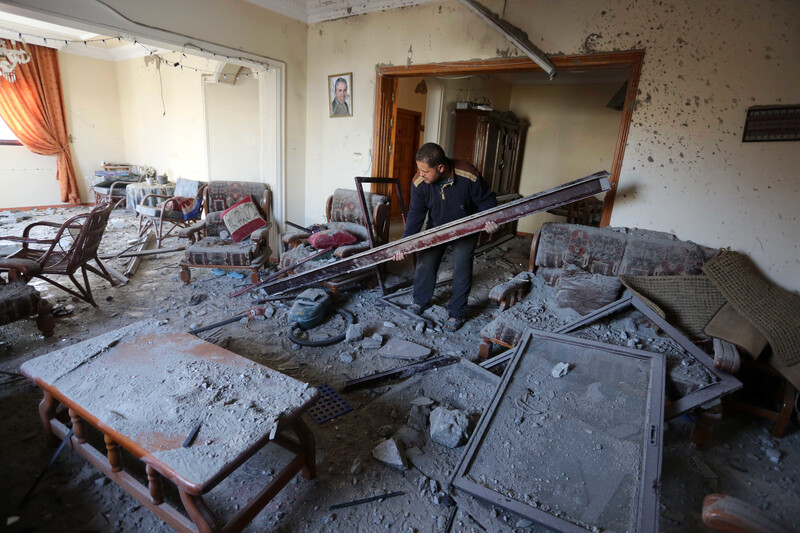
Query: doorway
x,y
385,131
406,144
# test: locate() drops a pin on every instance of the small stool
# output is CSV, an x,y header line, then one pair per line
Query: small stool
x,y
19,300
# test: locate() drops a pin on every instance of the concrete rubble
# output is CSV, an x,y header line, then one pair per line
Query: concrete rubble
x,y
402,436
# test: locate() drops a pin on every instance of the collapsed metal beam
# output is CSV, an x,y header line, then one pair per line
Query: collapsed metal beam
x,y
563,194
518,37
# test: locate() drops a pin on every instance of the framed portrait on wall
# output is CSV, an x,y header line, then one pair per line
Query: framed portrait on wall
x,y
340,94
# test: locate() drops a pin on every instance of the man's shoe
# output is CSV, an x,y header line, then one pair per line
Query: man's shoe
x,y
415,309
453,324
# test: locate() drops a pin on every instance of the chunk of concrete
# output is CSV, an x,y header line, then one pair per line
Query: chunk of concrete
x,y
418,417
400,349
389,453
560,370
449,427
355,332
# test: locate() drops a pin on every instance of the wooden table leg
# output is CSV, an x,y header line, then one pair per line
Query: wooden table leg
x,y
154,484
308,443
701,432
199,512
47,412
78,427
114,455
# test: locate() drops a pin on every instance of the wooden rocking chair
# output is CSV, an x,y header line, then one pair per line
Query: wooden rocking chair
x,y
74,245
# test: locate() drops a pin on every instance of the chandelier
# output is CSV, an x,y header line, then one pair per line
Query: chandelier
x,y
9,59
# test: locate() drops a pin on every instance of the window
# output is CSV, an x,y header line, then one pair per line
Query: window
x,y
6,137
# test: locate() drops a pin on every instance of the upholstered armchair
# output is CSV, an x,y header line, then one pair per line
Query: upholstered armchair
x,y
212,244
19,300
343,212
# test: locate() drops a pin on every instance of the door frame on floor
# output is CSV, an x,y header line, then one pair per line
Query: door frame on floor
x,y
386,83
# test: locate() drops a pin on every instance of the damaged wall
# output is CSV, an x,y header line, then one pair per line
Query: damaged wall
x,y
685,169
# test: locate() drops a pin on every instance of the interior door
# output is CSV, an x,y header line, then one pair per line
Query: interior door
x,y
406,144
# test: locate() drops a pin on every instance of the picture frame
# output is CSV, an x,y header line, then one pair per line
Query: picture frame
x,y
341,104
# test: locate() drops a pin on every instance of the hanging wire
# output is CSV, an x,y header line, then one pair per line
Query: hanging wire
x,y
150,51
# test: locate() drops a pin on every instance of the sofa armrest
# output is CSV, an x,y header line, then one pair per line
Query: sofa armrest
x,y
350,249
510,292
261,234
194,233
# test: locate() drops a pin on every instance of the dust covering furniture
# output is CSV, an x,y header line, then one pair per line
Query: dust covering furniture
x,y
19,300
599,252
211,244
166,213
146,389
70,250
343,212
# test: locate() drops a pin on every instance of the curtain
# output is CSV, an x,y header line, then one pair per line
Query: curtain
x,y
33,108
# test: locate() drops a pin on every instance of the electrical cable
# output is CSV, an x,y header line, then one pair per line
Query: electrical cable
x,y
350,318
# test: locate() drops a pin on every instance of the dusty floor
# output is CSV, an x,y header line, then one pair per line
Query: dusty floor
x,y
75,497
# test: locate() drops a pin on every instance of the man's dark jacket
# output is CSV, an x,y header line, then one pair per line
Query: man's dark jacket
x,y
466,195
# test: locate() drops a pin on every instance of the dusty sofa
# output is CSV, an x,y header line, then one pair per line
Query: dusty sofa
x,y
582,263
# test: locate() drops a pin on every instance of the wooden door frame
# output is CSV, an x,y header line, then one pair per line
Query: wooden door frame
x,y
386,106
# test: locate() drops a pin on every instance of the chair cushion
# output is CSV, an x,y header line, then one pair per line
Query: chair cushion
x,y
217,251
584,292
155,212
242,219
330,238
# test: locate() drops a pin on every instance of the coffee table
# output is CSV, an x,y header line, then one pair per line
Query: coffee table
x,y
146,387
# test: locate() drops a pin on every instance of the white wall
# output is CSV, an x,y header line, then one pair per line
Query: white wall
x,y
232,122
685,168
161,111
572,134
27,179
91,102
236,24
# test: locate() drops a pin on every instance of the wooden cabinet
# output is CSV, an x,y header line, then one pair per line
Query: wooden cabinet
x,y
493,141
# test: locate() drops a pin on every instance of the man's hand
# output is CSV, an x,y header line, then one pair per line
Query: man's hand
x,y
490,227
399,256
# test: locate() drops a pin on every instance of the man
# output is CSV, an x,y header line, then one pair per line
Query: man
x,y
445,190
339,104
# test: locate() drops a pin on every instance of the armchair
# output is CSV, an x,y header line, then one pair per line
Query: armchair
x,y
343,212
75,244
211,245
19,300
167,212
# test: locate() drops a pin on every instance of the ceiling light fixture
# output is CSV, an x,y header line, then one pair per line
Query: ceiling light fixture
x,y
9,59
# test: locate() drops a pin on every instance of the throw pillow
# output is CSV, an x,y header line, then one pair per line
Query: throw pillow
x,y
242,219
190,207
330,238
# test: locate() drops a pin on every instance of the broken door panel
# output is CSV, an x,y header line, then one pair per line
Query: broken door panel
x,y
683,396
576,452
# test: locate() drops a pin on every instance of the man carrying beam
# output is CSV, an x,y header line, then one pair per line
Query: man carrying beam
x,y
445,190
